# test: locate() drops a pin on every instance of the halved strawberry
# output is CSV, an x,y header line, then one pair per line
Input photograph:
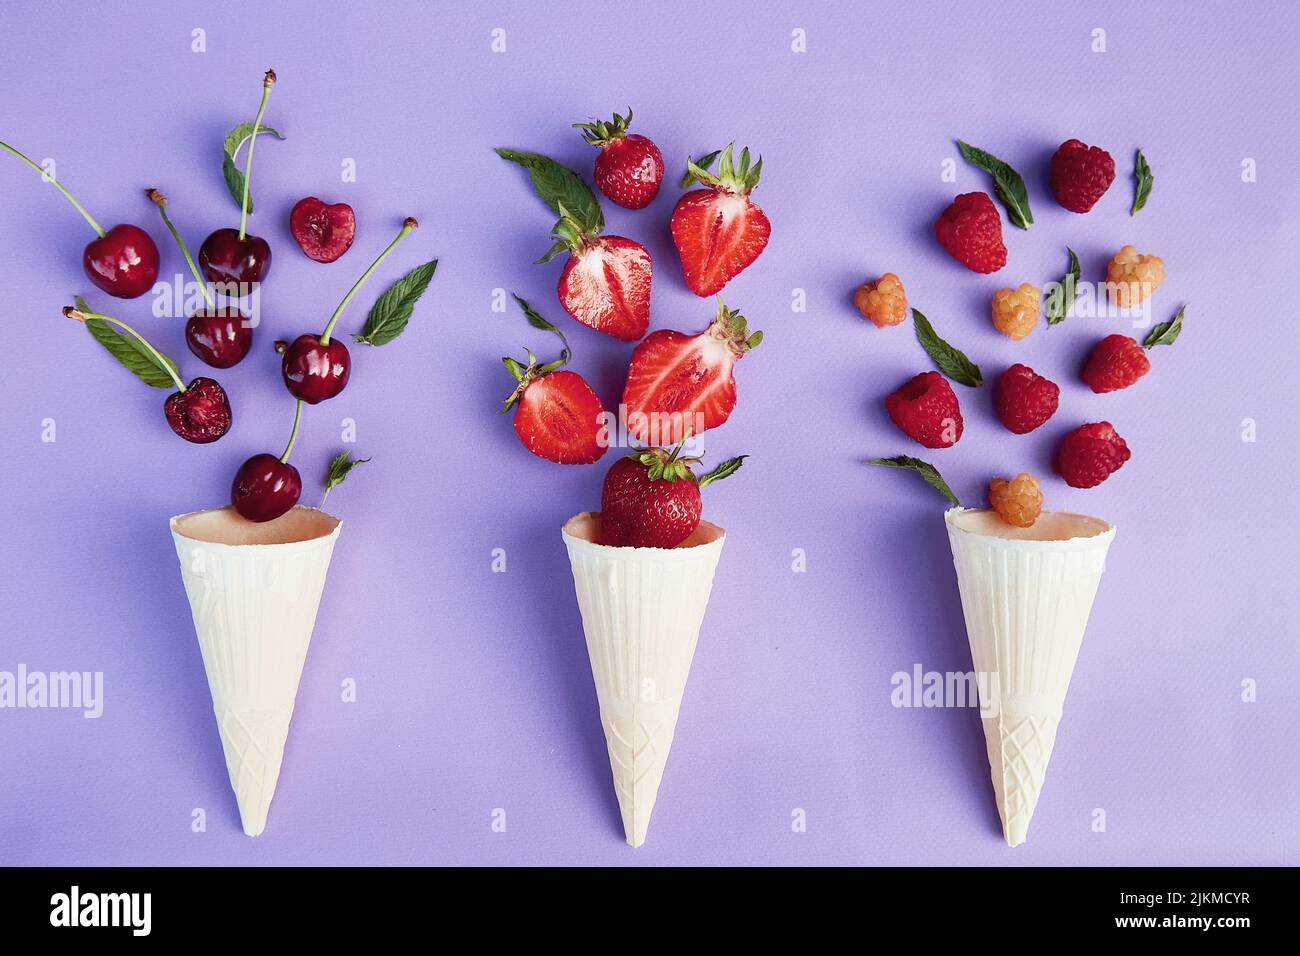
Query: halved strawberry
x,y
606,282
651,498
678,381
559,417
718,231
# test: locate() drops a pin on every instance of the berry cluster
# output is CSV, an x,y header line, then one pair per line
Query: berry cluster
x,y
926,408
678,384
232,263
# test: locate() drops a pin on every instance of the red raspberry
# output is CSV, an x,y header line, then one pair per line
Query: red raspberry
x,y
971,230
1116,362
926,409
1089,454
1025,399
1081,174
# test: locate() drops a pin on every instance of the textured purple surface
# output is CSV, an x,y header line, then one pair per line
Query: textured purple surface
x,y
473,687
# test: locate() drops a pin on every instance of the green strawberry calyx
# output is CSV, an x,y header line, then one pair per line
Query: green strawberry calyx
x,y
526,374
569,237
665,465
730,328
733,177
601,133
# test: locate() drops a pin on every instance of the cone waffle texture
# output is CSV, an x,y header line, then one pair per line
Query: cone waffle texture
x,y
254,590
641,613
1026,604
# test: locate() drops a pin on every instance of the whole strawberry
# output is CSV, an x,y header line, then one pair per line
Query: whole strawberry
x,y
629,167
718,230
606,282
1117,361
651,498
559,417
926,410
971,230
1025,399
1090,454
1081,174
678,382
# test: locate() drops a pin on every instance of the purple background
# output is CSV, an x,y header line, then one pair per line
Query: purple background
x,y
474,687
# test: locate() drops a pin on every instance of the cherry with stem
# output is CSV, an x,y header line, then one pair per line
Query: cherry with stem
x,y
316,367
231,257
217,335
198,412
122,261
265,487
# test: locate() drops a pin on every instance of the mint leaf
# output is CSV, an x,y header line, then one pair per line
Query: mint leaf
x,y
951,361
1166,333
724,470
392,310
922,468
1141,173
1006,183
340,468
137,359
558,185
234,176
1066,291
536,321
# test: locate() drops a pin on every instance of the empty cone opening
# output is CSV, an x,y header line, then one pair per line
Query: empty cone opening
x,y
586,527
226,526
1050,526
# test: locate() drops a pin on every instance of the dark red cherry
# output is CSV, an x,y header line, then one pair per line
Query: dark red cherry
x,y
219,336
315,372
123,262
265,488
201,413
322,231
224,257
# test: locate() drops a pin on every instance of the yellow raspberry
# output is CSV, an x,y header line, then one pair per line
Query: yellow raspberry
x,y
1131,276
1015,311
1018,501
883,301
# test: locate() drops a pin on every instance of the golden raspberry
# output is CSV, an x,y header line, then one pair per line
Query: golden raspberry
x,y
1017,501
1015,311
1131,276
883,301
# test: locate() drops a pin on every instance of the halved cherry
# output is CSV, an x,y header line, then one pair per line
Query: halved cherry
x,y
323,232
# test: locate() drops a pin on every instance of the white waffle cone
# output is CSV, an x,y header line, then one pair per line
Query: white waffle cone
x,y
641,613
254,590
1026,595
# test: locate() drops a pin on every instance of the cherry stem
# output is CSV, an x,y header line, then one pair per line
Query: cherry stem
x,y
293,435
57,185
157,357
407,226
267,82
161,202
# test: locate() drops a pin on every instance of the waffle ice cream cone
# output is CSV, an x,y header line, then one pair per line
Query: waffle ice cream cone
x,y
1026,594
254,590
641,613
